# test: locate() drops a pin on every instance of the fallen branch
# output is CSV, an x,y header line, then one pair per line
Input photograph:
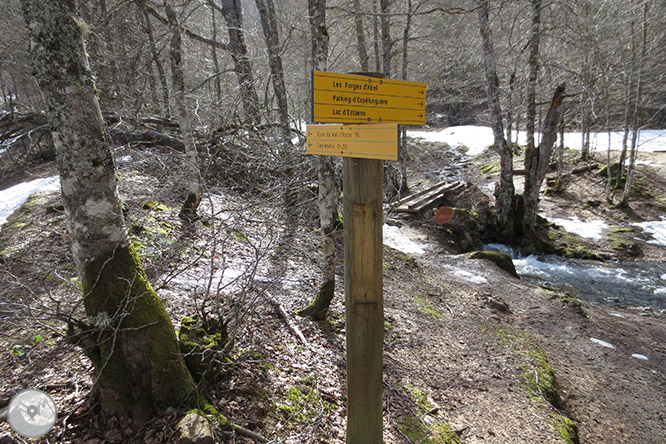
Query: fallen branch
x,y
292,327
146,137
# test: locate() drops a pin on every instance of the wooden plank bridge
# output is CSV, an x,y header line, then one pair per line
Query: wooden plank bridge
x,y
429,198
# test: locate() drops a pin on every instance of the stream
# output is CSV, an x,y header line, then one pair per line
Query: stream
x,y
631,284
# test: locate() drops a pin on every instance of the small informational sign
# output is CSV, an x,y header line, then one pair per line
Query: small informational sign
x,y
348,98
369,141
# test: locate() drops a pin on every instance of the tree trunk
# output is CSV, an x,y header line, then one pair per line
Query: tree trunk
x,y
360,37
271,35
327,190
405,40
166,112
375,35
540,159
629,184
213,50
193,199
505,191
385,25
131,340
531,191
510,100
233,15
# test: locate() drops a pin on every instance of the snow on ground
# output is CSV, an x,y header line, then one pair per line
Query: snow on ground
x,y
475,138
14,197
602,343
469,276
478,138
657,229
590,229
394,238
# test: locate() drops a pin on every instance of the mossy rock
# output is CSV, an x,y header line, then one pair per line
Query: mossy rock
x,y
580,252
500,259
566,428
153,205
202,344
417,432
614,169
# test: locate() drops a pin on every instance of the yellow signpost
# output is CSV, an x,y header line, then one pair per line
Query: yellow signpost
x,y
348,98
370,141
374,107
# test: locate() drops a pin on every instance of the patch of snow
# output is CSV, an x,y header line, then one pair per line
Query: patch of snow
x,y
14,197
660,291
590,229
657,229
648,163
470,277
618,315
602,343
475,138
395,238
641,357
478,138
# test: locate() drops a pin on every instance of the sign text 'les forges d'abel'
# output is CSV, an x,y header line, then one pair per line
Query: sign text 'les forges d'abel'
x,y
348,98
370,141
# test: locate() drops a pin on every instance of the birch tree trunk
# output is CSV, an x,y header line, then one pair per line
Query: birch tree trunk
x,y
194,195
360,37
505,191
233,15
132,341
327,190
271,35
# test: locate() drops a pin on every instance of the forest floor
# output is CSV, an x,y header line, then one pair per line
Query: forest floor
x,y
469,350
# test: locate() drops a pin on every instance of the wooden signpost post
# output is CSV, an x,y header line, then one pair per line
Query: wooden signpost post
x,y
375,107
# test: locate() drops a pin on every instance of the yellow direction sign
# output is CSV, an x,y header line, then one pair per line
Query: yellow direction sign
x,y
348,98
370,141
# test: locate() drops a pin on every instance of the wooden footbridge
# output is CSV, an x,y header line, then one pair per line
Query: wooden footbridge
x,y
429,198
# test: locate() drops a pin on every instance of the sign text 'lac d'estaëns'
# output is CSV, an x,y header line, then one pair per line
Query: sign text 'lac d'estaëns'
x,y
348,98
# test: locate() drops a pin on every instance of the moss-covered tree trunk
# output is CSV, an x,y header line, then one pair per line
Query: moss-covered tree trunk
x,y
131,340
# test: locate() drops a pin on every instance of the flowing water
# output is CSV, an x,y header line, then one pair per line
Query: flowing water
x,y
635,284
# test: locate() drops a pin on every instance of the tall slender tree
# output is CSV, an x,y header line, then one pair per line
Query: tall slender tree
x,y
504,194
387,42
531,195
360,37
636,120
195,192
269,25
131,340
164,86
327,194
233,15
